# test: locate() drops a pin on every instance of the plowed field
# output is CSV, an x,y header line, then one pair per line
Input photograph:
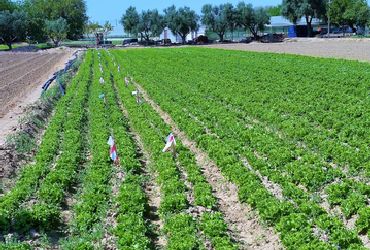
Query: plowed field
x,y
21,78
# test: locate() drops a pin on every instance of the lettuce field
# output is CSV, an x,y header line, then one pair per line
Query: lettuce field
x,y
291,133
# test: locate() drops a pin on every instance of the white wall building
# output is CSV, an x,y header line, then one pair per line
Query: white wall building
x,y
201,30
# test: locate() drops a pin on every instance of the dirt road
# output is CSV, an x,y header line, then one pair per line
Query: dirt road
x,y
347,48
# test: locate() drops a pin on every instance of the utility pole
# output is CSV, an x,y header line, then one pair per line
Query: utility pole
x,y
329,21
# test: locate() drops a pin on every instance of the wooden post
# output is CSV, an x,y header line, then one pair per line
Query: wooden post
x,y
174,151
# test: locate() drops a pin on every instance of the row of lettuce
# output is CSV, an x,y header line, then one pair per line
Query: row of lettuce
x,y
181,229
64,161
56,165
187,92
132,229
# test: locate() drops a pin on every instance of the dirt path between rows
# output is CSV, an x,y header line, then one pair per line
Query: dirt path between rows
x,y
151,187
241,218
346,48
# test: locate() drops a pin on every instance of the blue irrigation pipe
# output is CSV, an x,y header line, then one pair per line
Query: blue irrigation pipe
x,y
56,74
60,86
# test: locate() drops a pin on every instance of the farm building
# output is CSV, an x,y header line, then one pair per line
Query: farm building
x,y
167,34
280,24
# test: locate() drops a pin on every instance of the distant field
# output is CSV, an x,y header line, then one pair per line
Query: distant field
x,y
40,45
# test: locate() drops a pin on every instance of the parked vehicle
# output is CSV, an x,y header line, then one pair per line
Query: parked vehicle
x,y
246,40
201,39
144,42
129,41
166,41
360,32
347,29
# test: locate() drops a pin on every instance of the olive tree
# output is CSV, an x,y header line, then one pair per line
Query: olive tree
x,y
181,21
12,26
293,10
56,30
251,18
150,24
130,20
218,18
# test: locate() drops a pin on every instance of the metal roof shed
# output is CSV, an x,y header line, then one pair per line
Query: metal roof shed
x,y
277,22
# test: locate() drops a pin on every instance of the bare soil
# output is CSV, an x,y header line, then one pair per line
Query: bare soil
x,y
347,48
22,75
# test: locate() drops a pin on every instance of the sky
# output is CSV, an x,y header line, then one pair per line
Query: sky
x,y
112,10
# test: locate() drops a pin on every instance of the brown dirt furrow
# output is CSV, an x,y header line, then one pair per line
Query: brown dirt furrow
x,y
10,59
241,218
12,92
271,186
109,239
151,187
23,73
16,71
24,61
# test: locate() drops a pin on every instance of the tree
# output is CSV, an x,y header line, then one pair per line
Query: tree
x,y
252,19
358,14
91,30
151,23
130,20
309,9
337,13
181,22
290,10
56,30
73,11
107,28
12,26
275,10
8,5
218,18
148,23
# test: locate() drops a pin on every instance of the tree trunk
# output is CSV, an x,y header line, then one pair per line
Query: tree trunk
x,y
146,37
183,37
344,31
221,35
254,33
309,21
309,33
9,45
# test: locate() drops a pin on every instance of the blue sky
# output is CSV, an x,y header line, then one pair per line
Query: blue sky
x,y
112,10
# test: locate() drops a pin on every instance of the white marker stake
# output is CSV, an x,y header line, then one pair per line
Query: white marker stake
x,y
170,142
